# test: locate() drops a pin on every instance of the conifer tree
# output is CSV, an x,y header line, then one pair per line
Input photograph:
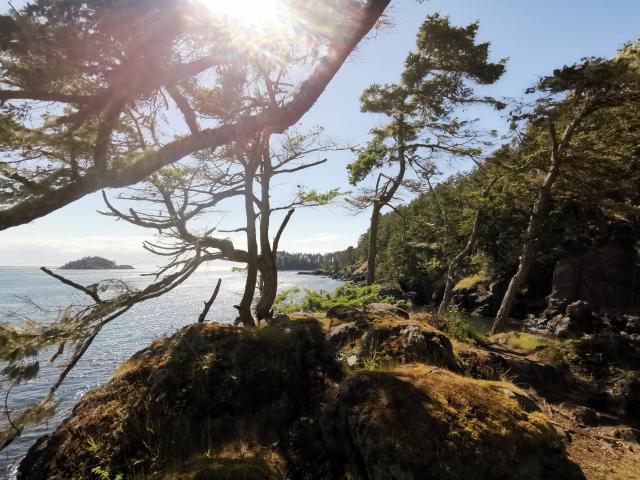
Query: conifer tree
x,y
422,112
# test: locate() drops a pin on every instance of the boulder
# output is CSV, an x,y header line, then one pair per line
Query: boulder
x,y
481,364
564,327
207,388
403,341
342,312
603,276
580,314
422,422
384,338
387,310
625,392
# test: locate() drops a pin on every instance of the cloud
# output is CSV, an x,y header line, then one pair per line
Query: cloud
x,y
322,242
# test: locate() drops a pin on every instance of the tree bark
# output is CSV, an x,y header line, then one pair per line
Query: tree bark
x,y
384,199
373,244
245,317
453,266
268,269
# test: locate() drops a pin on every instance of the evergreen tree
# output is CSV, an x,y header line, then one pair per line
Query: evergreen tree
x,y
422,112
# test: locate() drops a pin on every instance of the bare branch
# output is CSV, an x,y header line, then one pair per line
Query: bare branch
x,y
92,293
207,305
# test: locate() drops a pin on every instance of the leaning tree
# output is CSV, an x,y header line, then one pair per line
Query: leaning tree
x,y
74,75
566,103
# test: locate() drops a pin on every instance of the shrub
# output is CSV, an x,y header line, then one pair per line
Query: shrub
x,y
297,300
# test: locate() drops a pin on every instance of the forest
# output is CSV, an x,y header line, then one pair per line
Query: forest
x,y
489,325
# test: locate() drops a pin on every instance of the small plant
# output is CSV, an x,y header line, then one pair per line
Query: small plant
x,y
208,360
460,328
372,363
105,475
94,446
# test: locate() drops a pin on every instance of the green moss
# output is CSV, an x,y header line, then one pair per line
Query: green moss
x,y
419,421
471,281
525,341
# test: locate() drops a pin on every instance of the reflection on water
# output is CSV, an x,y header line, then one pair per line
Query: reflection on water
x,y
120,339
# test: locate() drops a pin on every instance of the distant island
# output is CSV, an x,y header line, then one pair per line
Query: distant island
x,y
94,263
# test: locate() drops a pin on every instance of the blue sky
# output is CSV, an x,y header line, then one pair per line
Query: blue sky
x,y
535,36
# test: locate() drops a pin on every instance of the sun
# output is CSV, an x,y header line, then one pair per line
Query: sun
x,y
250,14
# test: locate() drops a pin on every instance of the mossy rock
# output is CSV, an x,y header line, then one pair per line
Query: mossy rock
x,y
394,340
423,422
390,340
200,390
480,363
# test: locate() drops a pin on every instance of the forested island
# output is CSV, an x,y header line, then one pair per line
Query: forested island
x,y
94,263
490,323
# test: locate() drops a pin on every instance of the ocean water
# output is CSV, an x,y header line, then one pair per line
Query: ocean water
x,y
119,340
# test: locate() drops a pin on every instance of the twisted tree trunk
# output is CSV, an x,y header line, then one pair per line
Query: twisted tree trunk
x,y
453,266
372,251
268,269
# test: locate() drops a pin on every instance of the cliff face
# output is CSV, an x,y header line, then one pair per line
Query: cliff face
x,y
218,402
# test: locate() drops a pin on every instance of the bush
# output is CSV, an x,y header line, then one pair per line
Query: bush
x,y
309,301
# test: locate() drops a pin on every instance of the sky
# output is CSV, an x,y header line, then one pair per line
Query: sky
x,y
536,37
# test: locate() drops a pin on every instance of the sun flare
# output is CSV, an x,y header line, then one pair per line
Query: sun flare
x,y
260,14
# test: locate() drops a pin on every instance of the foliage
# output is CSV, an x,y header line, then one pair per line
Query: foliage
x,y
297,300
595,200
458,326
328,262
470,281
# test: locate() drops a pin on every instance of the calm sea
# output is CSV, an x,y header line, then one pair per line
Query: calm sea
x,y
119,340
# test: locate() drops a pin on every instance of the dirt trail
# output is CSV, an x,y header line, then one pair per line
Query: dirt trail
x,y
606,447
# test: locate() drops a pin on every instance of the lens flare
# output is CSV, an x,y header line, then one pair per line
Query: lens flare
x,y
250,14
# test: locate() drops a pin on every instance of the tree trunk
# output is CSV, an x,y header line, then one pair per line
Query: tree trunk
x,y
383,200
451,271
373,244
448,288
528,247
245,317
269,273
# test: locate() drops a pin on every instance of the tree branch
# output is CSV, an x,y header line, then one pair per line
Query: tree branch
x,y
207,305
92,293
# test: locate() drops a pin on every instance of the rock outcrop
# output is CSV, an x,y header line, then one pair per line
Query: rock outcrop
x,y
418,421
219,402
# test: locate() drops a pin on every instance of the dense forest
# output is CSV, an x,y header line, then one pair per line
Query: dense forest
x,y
175,113
327,262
